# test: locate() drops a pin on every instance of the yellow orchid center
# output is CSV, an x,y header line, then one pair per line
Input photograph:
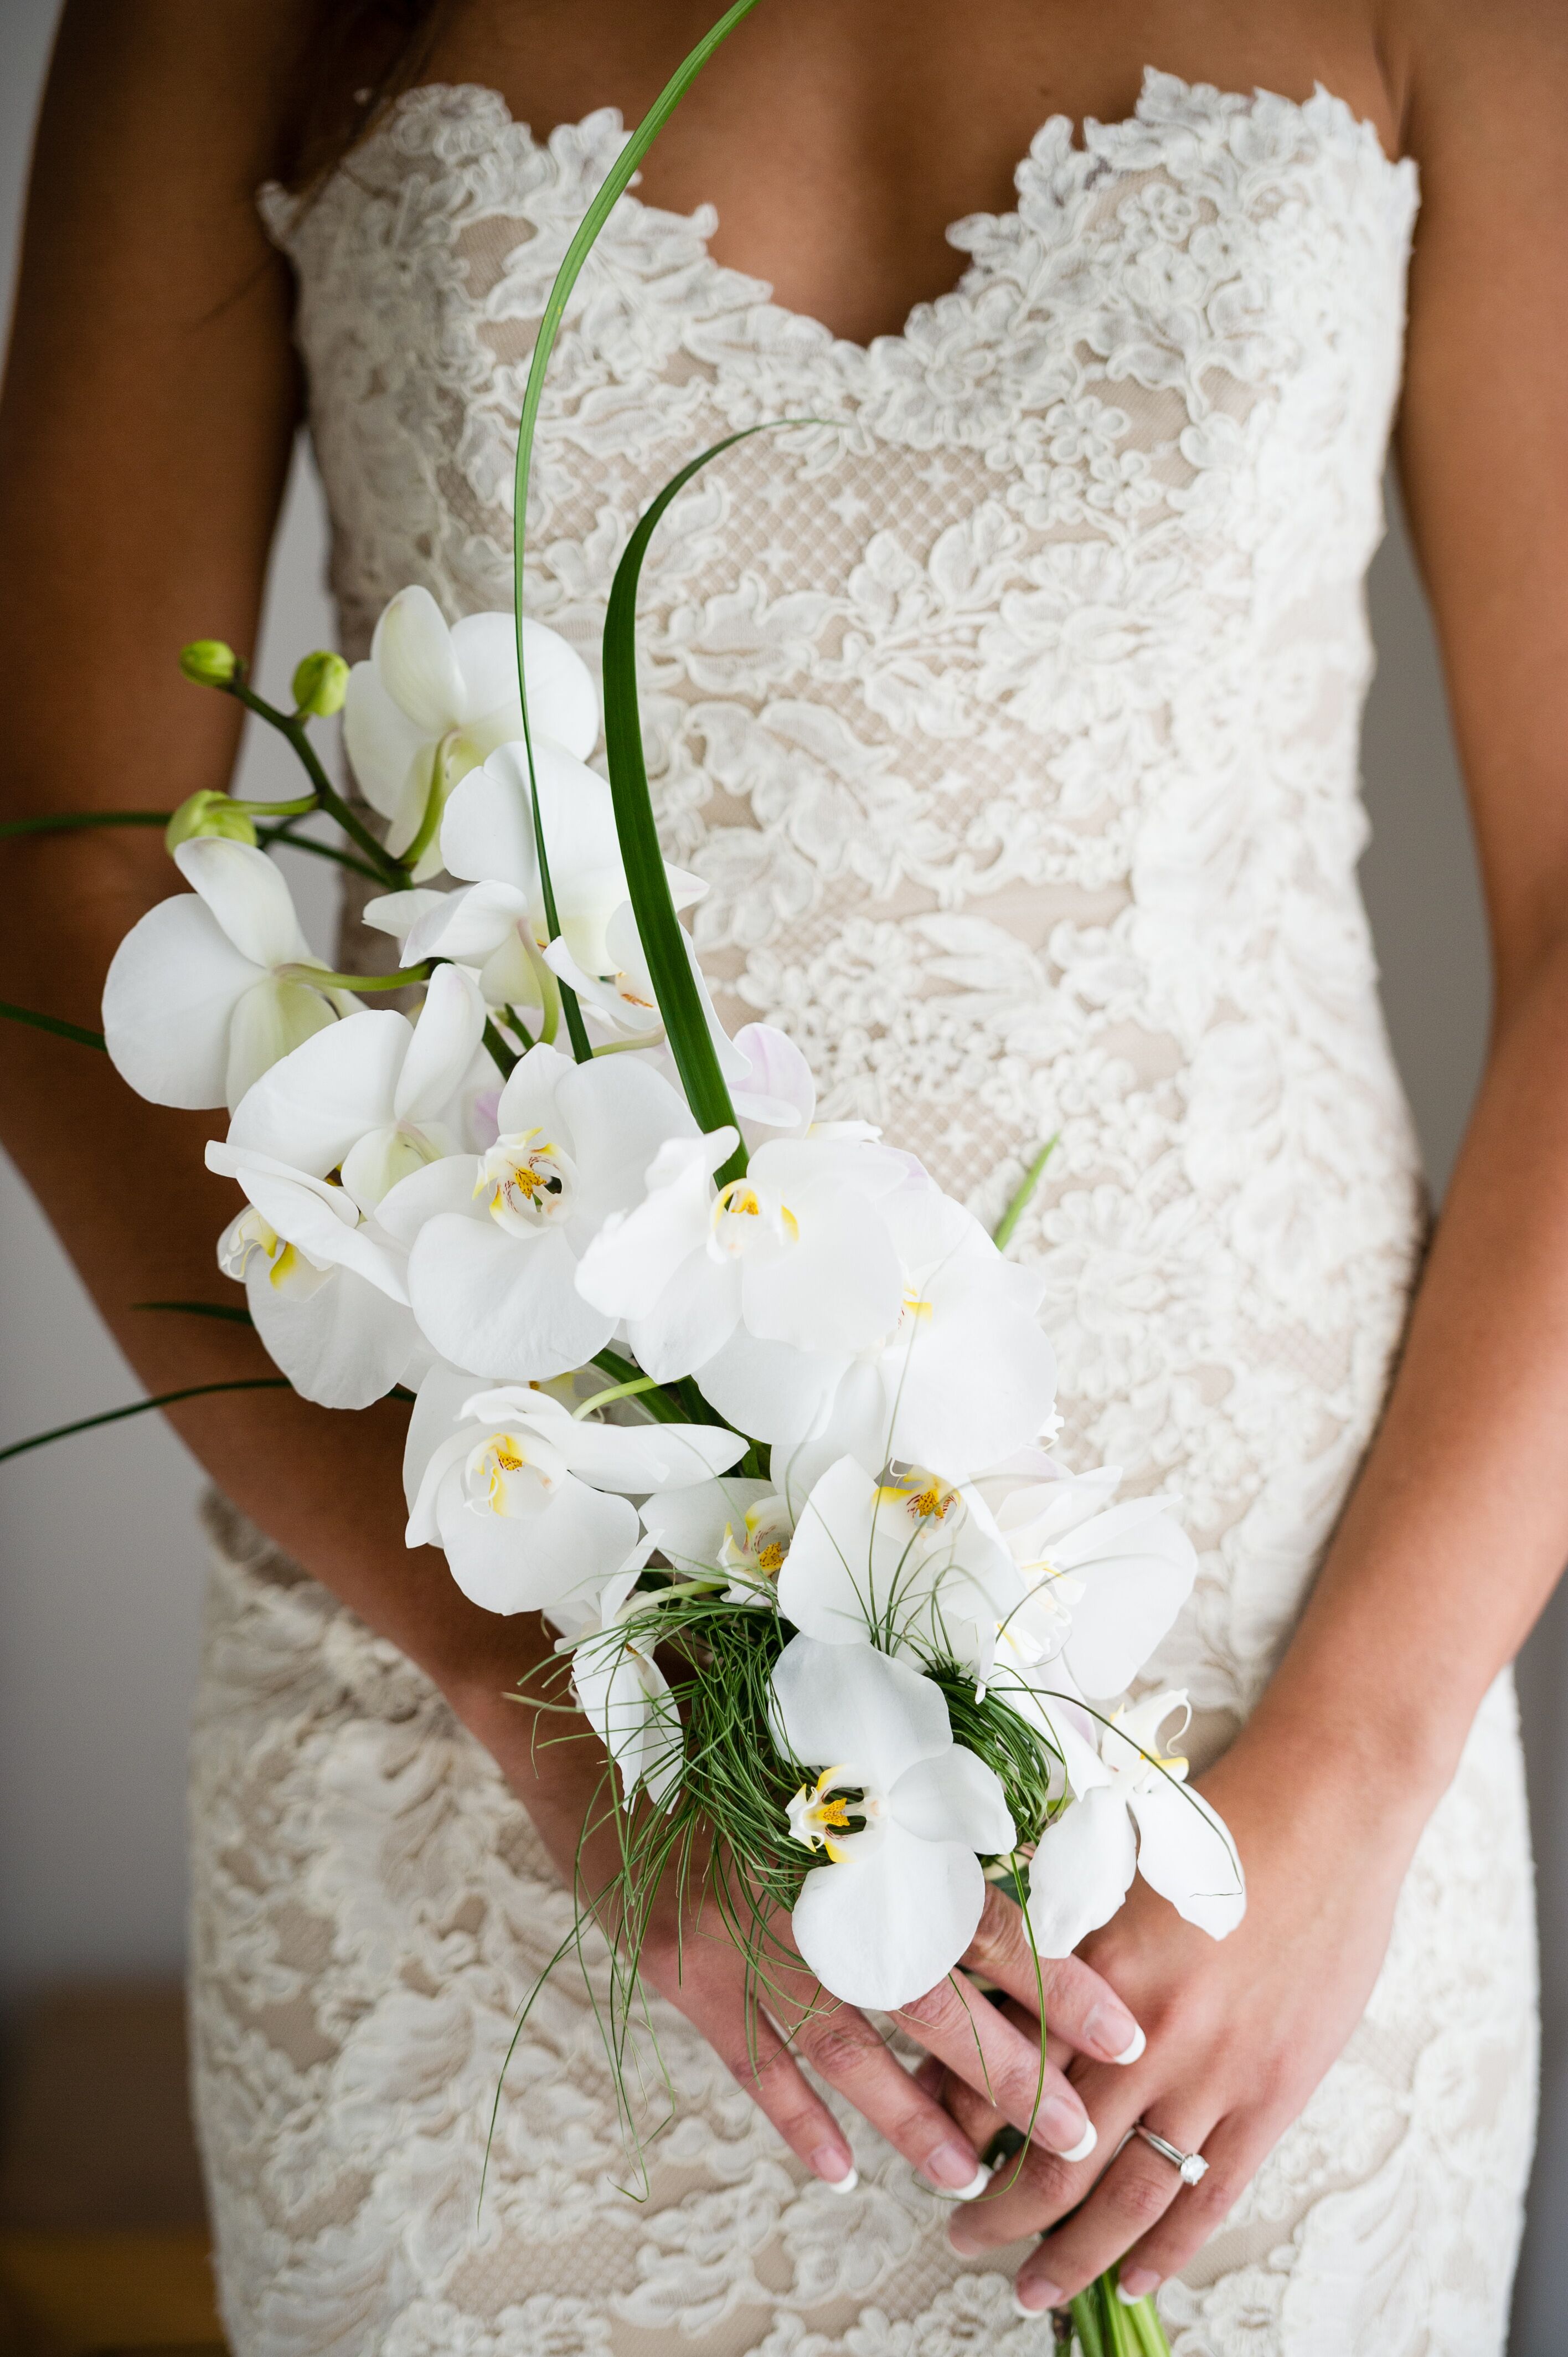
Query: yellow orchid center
x,y
528,1180
818,1811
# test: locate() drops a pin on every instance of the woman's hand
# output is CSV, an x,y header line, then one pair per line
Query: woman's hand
x,y
1240,2030
695,1964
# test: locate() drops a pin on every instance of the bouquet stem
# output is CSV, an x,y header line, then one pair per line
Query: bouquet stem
x,y
1104,2325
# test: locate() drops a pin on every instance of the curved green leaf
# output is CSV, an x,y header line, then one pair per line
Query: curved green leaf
x,y
55,1023
663,940
140,1407
577,253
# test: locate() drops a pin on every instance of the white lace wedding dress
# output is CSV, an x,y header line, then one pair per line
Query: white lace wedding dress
x,y
1012,722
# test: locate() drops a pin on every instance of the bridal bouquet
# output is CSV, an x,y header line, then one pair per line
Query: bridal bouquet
x,y
757,1416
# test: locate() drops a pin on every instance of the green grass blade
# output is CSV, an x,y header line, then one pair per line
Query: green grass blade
x,y
62,1030
59,822
577,253
228,1312
140,1407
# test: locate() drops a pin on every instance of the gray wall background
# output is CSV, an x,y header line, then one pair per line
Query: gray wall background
x,y
100,1602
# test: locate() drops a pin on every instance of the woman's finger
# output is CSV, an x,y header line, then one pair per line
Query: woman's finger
x,y
975,2114
1078,2005
1132,2198
852,2055
954,2021
1233,2151
710,1990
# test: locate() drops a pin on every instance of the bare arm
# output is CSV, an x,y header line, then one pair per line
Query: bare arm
x,y
1458,1528
149,414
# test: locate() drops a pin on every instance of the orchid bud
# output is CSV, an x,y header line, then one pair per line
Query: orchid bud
x,y
321,683
208,662
208,813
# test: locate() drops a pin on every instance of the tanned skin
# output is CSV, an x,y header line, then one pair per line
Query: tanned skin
x,y
149,411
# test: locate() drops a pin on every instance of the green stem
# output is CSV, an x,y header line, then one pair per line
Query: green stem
x,y
387,868
1085,2313
403,980
661,1405
577,253
1002,1233
267,837
140,1407
615,1392
58,825
296,809
230,1312
63,1030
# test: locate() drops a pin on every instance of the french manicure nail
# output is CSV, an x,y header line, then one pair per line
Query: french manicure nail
x,y
1105,2025
1047,2294
953,2167
1085,2145
831,2170
1135,2283
1132,2052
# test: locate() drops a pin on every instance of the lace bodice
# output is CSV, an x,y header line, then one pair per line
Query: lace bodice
x,y
1012,722
1011,717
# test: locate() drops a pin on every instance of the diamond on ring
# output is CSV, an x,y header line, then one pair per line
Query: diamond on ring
x,y
1191,2166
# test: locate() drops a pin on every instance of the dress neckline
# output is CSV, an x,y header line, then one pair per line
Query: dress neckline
x,y
1167,111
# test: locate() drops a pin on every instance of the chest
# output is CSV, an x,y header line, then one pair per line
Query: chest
x,y
838,139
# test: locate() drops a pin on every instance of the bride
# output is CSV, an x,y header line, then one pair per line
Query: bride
x,y
1013,728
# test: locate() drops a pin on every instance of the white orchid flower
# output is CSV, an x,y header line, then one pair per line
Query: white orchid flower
x,y
374,1097
325,1284
737,1525
796,1256
960,1374
513,1487
496,921
495,1239
1144,1816
211,987
899,1809
432,703
1104,1581
909,1560
620,1687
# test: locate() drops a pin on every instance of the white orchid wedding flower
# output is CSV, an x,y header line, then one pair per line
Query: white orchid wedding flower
x,y
513,1487
433,702
737,1525
374,1097
797,1255
325,1284
496,920
1104,1581
495,1239
909,1560
899,1811
620,1685
960,1374
211,987
1146,1818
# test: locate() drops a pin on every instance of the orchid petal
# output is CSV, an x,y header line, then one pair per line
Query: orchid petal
x,y
389,753
955,1797
450,1024
499,1303
688,1526
412,654
168,1002
309,1108
1187,1854
767,1389
1080,1872
248,895
524,1564
343,1344
832,1703
882,1930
